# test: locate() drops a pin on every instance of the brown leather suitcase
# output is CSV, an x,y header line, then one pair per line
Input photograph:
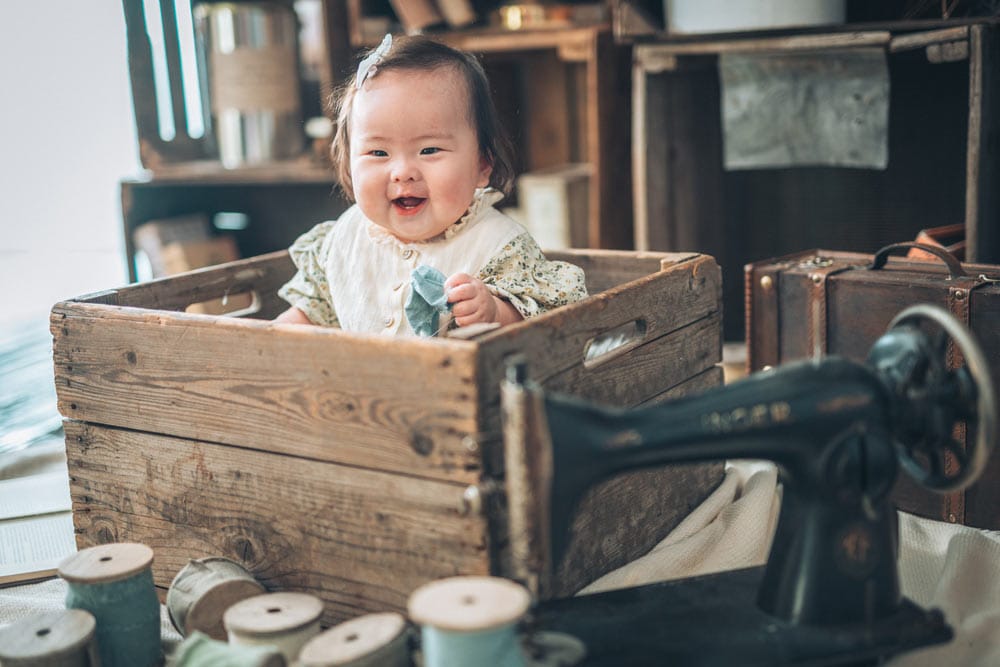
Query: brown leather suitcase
x,y
828,302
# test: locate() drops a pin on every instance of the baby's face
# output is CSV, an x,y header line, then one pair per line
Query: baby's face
x,y
415,160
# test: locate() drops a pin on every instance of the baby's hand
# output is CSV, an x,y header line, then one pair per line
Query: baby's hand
x,y
471,302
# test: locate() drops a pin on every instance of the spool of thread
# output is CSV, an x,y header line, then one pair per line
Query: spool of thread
x,y
114,582
203,590
372,640
284,620
200,650
54,639
470,621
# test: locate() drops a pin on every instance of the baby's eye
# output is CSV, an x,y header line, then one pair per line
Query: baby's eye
x,y
378,153
430,151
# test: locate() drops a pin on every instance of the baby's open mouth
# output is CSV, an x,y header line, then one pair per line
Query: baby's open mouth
x,y
408,202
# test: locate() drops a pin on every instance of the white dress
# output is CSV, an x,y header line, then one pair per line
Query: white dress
x,y
355,275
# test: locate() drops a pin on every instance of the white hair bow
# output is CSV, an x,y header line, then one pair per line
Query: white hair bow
x,y
370,63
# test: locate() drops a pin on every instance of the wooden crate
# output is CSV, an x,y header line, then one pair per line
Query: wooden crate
x,y
343,464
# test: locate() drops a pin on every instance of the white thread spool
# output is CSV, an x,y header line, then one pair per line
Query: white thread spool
x,y
372,640
284,620
470,621
203,590
53,639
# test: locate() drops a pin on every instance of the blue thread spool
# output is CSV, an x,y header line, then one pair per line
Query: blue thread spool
x,y
53,639
372,640
114,582
470,621
200,650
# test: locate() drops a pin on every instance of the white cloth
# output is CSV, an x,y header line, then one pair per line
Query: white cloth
x,y
731,529
950,567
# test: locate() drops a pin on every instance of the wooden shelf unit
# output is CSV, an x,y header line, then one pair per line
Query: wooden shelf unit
x,y
564,95
944,147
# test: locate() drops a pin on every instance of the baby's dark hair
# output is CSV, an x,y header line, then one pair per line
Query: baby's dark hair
x,y
421,53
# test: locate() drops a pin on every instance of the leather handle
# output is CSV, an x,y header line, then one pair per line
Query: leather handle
x,y
954,266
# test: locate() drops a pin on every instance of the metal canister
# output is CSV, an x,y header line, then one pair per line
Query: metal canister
x,y
248,65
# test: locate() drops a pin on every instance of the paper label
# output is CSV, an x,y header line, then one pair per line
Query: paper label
x,y
250,79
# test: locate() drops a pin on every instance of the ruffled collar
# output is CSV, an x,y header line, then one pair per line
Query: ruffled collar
x,y
482,201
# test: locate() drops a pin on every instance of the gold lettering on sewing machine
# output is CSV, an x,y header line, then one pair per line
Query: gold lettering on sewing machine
x,y
628,438
741,419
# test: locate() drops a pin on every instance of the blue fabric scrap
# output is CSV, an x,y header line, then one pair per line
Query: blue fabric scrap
x,y
427,300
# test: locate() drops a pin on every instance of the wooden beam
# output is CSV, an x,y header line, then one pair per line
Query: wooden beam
x,y
982,195
918,40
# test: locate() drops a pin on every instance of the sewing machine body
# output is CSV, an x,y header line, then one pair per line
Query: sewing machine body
x,y
838,431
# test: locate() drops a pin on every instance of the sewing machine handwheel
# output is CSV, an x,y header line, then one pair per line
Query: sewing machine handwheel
x,y
934,472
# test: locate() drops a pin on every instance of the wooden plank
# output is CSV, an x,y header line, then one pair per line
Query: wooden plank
x,y
920,40
361,540
605,269
645,371
707,379
556,342
302,170
982,196
609,100
172,50
680,311
546,103
262,275
488,40
314,392
153,150
804,42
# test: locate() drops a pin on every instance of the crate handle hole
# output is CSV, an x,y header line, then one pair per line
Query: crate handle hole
x,y
613,343
230,305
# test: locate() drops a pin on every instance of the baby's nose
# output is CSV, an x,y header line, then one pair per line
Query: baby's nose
x,y
404,170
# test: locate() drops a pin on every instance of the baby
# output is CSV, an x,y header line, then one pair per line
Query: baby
x,y
418,148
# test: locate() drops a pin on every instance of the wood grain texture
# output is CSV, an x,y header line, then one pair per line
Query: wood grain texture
x,y
554,344
350,398
308,391
361,540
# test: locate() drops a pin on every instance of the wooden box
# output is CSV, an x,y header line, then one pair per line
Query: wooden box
x,y
358,467
834,302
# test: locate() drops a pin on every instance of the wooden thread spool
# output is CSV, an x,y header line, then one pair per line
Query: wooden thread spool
x,y
202,591
53,639
284,620
470,621
114,582
372,640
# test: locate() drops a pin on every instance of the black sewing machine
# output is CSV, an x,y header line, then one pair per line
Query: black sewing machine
x,y
839,431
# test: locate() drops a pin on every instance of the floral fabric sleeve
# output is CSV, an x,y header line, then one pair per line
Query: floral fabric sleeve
x,y
532,284
308,289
